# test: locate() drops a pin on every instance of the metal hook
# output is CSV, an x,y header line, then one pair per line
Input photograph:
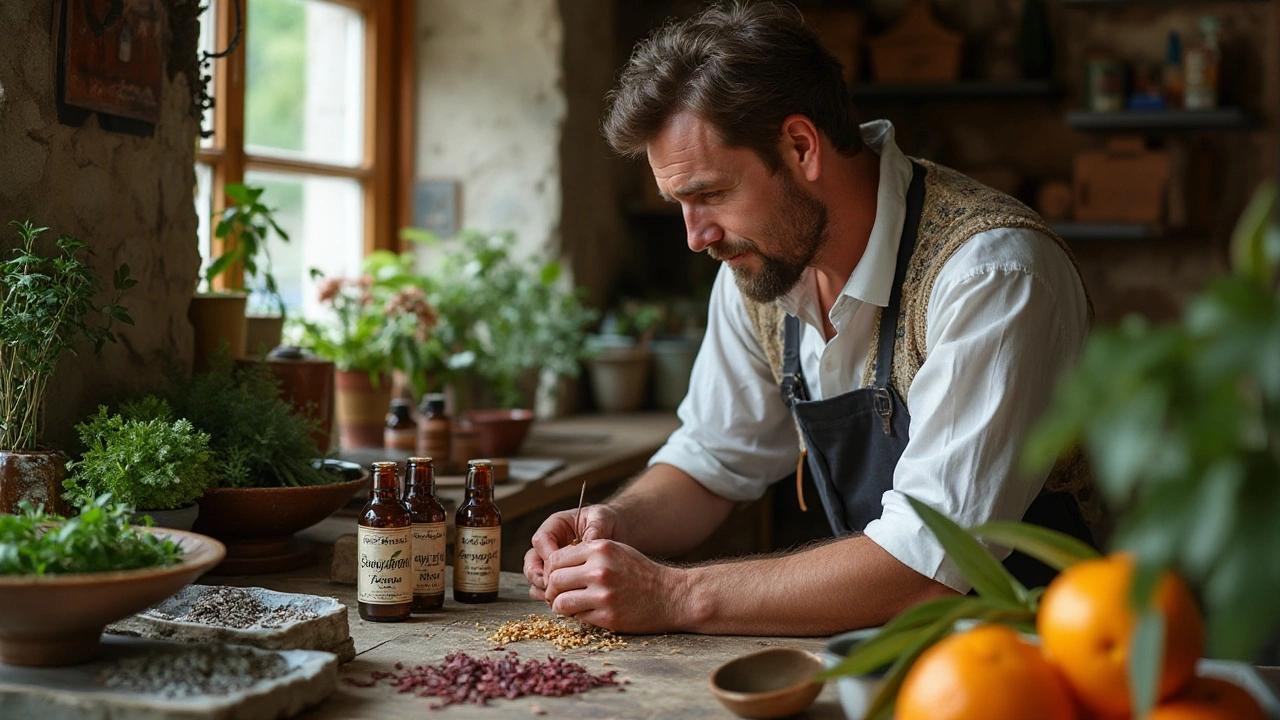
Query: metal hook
x,y
235,38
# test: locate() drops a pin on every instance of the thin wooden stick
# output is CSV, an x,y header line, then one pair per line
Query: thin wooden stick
x,y
576,537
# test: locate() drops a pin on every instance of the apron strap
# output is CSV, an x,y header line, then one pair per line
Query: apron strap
x,y
906,246
793,387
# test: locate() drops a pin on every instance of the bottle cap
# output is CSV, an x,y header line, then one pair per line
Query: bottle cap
x,y
423,459
484,461
382,464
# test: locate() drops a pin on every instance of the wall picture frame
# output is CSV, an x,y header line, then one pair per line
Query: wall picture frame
x,y
110,62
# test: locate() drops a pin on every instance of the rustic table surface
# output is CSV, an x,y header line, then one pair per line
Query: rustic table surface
x,y
668,674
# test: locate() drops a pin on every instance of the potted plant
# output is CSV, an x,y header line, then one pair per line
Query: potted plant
x,y
358,339
220,316
499,323
147,460
619,369
47,305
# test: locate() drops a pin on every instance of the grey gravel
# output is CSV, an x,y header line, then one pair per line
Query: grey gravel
x,y
193,670
234,607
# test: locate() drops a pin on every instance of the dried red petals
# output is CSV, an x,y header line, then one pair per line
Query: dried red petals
x,y
462,679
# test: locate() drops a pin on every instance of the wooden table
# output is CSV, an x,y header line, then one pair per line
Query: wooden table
x,y
668,673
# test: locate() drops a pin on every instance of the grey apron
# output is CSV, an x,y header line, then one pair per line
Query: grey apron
x,y
854,440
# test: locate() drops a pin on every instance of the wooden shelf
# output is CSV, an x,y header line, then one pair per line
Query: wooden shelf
x,y
1085,231
1226,118
963,90
1119,3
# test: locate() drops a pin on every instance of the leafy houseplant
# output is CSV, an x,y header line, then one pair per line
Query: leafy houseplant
x,y
150,464
356,337
1182,423
98,540
47,306
498,317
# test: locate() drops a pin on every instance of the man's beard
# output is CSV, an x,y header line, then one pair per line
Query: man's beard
x,y
798,230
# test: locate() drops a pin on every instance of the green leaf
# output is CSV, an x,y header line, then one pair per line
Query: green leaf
x,y
1146,660
1250,250
1055,549
419,235
983,571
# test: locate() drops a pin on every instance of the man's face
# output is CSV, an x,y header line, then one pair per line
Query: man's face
x,y
766,227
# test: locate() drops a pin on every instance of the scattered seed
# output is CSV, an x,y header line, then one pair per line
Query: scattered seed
x,y
193,670
462,678
564,633
235,607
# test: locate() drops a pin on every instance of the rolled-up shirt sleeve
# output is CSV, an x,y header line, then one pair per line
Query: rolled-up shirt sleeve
x,y
736,435
999,336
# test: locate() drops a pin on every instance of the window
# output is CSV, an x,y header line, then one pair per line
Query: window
x,y
311,107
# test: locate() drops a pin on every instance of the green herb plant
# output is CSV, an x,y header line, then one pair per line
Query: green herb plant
x,y
500,316
357,336
244,228
1000,598
99,539
142,457
47,306
256,437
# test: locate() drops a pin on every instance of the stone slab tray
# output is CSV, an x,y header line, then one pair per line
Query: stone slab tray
x,y
329,632
72,693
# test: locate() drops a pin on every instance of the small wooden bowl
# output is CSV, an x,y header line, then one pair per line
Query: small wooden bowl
x,y
771,683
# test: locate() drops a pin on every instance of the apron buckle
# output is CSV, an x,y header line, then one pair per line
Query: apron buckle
x,y
884,408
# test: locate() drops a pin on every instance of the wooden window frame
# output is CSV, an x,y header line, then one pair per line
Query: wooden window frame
x,y
385,172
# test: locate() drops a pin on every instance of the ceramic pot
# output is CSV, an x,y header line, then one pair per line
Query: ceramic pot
x,y
35,476
499,433
619,377
182,518
672,364
262,334
306,383
217,318
362,408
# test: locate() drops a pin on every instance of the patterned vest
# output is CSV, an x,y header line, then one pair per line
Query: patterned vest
x,y
956,208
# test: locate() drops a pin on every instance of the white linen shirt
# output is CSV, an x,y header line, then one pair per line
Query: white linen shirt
x,y
1007,315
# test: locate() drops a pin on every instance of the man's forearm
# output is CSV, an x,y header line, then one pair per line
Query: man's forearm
x,y
838,586
666,512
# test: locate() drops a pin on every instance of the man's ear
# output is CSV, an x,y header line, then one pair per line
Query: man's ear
x,y
800,147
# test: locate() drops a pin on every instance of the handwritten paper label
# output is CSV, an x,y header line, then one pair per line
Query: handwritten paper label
x,y
386,569
428,558
479,552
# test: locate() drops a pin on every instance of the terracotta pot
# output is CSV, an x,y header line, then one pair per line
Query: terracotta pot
x,y
257,524
262,334
58,619
619,377
35,476
306,382
217,318
499,433
362,408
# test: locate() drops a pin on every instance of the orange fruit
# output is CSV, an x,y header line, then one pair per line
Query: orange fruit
x,y
1085,624
1209,699
987,673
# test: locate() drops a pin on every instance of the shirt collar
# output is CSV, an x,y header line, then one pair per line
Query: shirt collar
x,y
872,279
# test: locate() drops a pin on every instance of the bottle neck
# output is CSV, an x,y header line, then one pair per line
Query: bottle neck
x,y
385,484
480,483
421,481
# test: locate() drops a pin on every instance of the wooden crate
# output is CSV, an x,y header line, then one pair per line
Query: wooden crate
x,y
1124,182
918,49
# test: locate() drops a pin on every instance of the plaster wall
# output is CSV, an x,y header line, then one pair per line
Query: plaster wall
x,y
490,108
130,198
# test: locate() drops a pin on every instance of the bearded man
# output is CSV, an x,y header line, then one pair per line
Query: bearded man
x,y
888,322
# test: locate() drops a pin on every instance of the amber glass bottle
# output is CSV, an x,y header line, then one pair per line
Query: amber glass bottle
x,y
427,515
435,431
477,550
401,432
385,542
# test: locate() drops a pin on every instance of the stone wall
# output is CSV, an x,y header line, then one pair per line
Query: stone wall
x,y
129,197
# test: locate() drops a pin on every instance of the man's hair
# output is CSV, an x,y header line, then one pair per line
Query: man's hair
x,y
743,68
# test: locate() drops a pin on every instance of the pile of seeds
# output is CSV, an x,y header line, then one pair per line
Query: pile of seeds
x,y
195,670
564,633
462,678
235,607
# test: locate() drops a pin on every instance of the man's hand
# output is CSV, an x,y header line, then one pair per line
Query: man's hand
x,y
599,522
615,586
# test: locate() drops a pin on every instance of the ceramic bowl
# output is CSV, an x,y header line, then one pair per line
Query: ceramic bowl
x,y
856,691
499,433
771,683
258,524
58,619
